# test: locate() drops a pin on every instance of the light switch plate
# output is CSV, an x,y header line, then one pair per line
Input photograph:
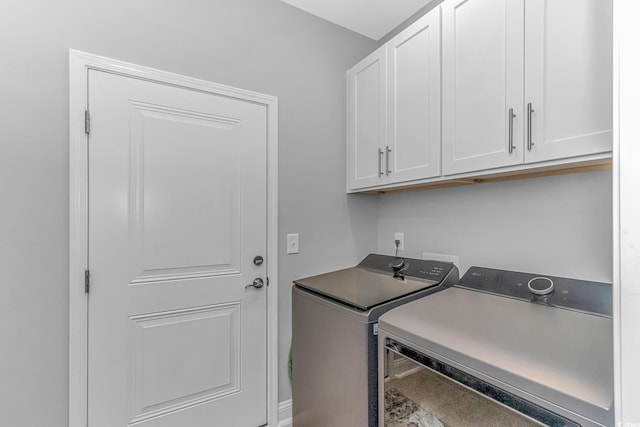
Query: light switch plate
x,y
293,243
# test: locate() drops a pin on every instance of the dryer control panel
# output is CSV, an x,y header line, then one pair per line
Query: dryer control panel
x,y
583,295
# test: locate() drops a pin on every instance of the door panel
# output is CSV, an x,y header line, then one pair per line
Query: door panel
x,y
183,229
177,211
568,77
414,100
482,79
367,119
168,345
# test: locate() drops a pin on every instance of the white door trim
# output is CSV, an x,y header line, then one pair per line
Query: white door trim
x,y
79,65
626,231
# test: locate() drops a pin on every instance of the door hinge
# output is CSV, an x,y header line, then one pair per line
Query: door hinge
x,y
87,281
87,122
267,281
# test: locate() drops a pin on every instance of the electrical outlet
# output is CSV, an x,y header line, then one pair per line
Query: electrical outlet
x,y
293,244
399,236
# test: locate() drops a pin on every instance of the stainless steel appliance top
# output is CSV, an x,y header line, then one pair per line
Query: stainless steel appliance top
x,y
560,353
376,280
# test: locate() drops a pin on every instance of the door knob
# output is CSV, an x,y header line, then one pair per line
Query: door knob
x,y
257,283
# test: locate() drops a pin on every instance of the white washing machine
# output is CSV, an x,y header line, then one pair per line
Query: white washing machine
x,y
500,348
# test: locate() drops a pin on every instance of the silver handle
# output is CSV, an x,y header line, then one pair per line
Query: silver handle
x,y
530,111
511,117
257,283
388,151
380,154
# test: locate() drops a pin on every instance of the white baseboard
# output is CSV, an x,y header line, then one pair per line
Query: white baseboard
x,y
285,414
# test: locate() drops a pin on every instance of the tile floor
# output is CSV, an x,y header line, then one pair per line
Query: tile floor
x,y
426,399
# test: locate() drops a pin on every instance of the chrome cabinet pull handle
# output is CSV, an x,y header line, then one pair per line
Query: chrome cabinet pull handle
x,y
511,117
388,151
530,111
380,154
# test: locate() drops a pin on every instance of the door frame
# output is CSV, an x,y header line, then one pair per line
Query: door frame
x,y
626,231
79,65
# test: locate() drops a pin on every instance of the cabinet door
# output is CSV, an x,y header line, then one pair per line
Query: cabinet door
x,y
414,101
568,75
482,76
367,120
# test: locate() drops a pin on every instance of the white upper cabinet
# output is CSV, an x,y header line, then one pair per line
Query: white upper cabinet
x,y
413,112
568,78
482,81
525,82
367,120
480,88
394,109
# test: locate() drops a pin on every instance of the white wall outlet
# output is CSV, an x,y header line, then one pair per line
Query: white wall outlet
x,y
293,243
399,236
442,257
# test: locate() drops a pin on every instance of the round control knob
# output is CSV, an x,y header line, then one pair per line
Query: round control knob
x,y
540,285
397,264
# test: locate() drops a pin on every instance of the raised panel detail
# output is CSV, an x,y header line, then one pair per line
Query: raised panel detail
x,y
183,358
572,111
412,105
480,91
568,78
368,119
186,191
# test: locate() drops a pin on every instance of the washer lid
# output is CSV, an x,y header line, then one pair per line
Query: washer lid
x,y
563,357
363,288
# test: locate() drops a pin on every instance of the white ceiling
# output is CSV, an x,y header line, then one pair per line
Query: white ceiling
x,y
371,18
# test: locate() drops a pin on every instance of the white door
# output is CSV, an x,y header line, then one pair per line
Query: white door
x,y
368,120
568,74
177,212
414,101
482,84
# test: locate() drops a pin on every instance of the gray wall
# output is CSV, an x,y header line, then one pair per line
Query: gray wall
x,y
264,46
557,225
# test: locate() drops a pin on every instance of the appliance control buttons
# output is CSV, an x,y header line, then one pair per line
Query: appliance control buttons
x,y
397,264
540,285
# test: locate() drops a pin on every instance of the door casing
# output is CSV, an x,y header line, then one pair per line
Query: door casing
x,y
79,65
